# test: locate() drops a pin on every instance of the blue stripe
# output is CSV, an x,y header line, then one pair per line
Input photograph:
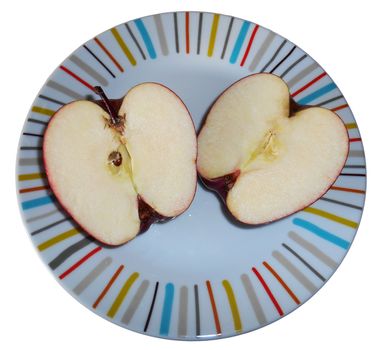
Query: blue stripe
x,y
37,202
237,46
146,38
167,308
318,93
321,233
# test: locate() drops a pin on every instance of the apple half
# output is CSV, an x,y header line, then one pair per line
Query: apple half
x,y
265,155
117,173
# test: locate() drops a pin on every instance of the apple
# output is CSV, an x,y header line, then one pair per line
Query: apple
x,y
266,156
117,173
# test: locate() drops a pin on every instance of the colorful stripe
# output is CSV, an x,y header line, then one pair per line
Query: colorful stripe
x,y
318,93
108,286
295,272
187,33
34,189
214,308
167,309
233,305
136,301
135,41
321,233
239,42
79,262
88,69
335,109
268,291
283,284
76,77
122,294
313,249
262,50
183,307
108,53
37,202
146,38
331,216
92,275
250,43
351,126
57,239
44,111
253,299
161,34
301,75
345,189
306,86
99,61
213,34
123,46
332,99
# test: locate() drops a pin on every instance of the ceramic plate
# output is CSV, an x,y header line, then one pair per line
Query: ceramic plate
x,y
200,276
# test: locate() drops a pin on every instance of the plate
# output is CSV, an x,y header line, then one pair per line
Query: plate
x,y
200,276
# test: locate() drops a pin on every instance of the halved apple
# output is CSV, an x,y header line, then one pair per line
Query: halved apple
x,y
266,156
116,173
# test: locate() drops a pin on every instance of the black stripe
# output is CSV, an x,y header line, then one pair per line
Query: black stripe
x,y
197,309
49,226
310,267
51,100
283,59
199,32
32,120
292,66
176,32
350,174
330,100
341,203
98,60
30,148
355,166
135,41
64,255
274,56
31,134
227,37
151,307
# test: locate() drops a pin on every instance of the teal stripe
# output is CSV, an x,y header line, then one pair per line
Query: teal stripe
x,y
167,308
321,233
241,38
318,93
146,38
37,202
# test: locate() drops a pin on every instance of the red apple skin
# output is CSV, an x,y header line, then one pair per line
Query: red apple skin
x,y
146,213
223,184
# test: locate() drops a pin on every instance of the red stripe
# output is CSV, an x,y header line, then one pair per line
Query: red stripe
x,y
32,189
187,33
306,86
339,107
118,65
357,139
214,309
249,45
107,287
79,79
268,291
78,263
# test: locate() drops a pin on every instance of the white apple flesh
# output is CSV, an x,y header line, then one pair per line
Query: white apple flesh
x,y
117,174
265,156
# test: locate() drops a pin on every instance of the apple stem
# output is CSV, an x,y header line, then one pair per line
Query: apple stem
x,y
115,119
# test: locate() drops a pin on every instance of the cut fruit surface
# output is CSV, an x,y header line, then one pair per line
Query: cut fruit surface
x,y
280,163
115,180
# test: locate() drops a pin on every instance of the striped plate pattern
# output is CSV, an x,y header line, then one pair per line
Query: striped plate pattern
x,y
226,281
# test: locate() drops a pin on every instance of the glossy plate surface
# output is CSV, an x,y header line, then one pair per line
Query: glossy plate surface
x,y
200,276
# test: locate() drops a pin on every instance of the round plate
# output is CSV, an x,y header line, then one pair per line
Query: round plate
x,y
200,276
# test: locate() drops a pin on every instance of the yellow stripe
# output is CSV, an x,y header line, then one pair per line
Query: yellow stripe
x,y
212,37
123,46
120,297
351,125
61,237
44,111
25,177
233,305
332,217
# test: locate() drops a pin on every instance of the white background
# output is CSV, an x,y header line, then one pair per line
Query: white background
x,y
35,312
